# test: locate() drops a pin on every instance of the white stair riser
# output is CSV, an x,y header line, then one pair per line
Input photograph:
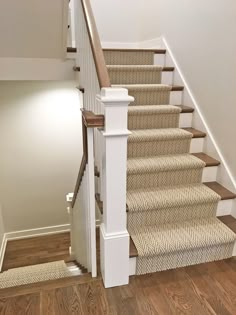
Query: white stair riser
x,y
71,56
224,207
209,174
160,59
185,120
176,97
132,266
234,250
167,77
196,145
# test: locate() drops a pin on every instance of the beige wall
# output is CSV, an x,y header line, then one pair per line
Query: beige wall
x,y
40,141
32,28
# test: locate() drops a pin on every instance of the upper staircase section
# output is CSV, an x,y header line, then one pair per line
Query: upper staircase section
x,y
33,29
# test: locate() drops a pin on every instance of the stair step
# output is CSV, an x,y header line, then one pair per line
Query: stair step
x,y
196,133
228,220
76,69
71,49
175,88
221,190
155,51
182,244
164,205
165,170
155,142
210,161
132,249
185,109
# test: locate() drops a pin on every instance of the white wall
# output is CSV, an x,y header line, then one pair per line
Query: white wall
x,y
201,34
41,149
33,28
118,21
2,230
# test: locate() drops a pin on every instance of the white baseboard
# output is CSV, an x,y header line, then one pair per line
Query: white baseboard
x,y
37,232
2,250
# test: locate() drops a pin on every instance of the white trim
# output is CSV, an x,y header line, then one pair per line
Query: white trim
x,y
38,232
132,266
2,250
64,31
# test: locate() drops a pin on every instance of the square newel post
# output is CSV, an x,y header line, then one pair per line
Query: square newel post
x,y
114,237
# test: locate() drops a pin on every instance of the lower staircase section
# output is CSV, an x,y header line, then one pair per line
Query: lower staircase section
x,y
38,273
171,214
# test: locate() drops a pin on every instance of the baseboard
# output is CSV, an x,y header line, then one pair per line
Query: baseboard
x,y
2,250
37,232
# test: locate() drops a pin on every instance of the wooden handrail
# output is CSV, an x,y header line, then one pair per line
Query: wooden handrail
x,y
99,60
89,120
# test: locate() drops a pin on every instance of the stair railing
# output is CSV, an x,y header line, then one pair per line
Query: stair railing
x,y
106,149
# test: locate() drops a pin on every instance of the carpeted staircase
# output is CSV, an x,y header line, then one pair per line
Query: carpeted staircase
x,y
171,214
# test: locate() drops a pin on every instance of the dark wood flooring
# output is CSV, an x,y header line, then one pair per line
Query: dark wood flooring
x,y
207,289
37,250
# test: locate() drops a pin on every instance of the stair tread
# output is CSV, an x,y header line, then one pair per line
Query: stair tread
x,y
163,163
156,51
159,198
153,109
139,67
143,135
71,49
188,235
196,133
210,161
185,109
221,190
229,221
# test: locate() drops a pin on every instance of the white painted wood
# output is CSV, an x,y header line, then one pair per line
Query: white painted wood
x,y
91,203
167,77
132,266
209,174
234,250
36,69
176,97
114,236
224,207
160,59
3,250
197,145
185,120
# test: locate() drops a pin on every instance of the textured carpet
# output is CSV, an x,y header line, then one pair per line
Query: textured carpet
x,y
34,274
171,214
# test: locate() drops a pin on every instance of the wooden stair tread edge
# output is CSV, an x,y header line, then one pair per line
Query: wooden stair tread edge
x,y
71,49
185,109
229,221
210,161
175,88
221,190
156,51
132,249
196,133
168,69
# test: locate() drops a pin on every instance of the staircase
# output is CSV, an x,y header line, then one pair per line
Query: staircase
x,y
171,212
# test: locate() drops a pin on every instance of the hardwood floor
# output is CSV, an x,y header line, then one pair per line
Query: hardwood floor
x,y
37,250
206,289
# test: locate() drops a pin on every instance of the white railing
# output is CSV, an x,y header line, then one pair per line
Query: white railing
x,y
109,154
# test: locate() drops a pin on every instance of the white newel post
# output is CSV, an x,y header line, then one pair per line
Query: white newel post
x,y
114,237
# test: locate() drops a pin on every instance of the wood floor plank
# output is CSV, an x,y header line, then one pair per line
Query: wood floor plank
x,y
37,250
21,305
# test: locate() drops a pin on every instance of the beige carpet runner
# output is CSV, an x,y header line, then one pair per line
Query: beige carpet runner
x,y
171,214
34,274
